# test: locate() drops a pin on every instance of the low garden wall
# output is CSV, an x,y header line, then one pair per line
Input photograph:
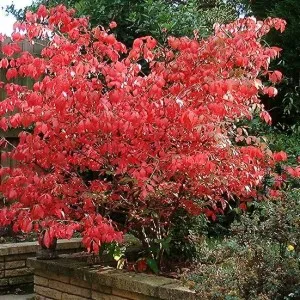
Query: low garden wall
x,y
69,278
14,274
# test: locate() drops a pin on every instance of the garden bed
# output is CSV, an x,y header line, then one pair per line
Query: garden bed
x,y
71,278
14,273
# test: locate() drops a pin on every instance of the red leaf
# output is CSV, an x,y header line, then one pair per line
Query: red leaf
x,y
12,193
47,239
8,50
3,124
243,206
80,69
26,225
270,91
42,11
69,232
11,73
266,117
280,156
37,212
17,36
4,63
95,247
275,76
141,265
112,25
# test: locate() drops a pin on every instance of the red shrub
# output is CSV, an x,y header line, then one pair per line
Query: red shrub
x,y
100,135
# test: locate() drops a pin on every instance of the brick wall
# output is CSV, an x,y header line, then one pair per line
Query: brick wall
x,y
13,270
73,279
64,287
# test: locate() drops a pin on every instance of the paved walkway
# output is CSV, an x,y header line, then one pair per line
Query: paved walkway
x,y
16,297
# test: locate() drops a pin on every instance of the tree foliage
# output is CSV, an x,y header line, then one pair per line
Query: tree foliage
x,y
100,137
157,18
287,108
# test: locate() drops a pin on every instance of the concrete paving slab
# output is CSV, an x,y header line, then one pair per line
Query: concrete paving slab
x,y
17,297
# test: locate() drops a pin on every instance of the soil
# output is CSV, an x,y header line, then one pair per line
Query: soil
x,y
170,269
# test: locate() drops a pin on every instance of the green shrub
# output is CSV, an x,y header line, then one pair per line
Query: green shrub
x,y
261,258
287,141
187,236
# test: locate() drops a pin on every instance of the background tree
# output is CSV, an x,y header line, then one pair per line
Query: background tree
x,y
138,18
287,107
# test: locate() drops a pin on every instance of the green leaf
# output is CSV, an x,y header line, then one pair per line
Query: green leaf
x,y
153,265
117,257
166,244
118,253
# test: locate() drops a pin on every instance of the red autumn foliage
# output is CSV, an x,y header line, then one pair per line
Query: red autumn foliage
x,y
280,156
100,136
141,265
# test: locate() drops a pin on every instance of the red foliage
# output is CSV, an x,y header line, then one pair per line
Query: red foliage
x,y
141,265
151,141
280,156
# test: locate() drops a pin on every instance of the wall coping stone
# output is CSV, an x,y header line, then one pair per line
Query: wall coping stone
x,y
146,284
31,247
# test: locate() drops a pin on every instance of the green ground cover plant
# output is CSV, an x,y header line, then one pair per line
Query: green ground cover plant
x,y
260,259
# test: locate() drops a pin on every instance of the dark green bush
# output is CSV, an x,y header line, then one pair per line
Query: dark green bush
x,y
187,236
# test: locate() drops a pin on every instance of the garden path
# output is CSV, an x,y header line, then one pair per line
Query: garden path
x,y
17,297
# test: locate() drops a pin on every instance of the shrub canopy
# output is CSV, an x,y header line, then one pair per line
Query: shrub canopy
x,y
99,136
